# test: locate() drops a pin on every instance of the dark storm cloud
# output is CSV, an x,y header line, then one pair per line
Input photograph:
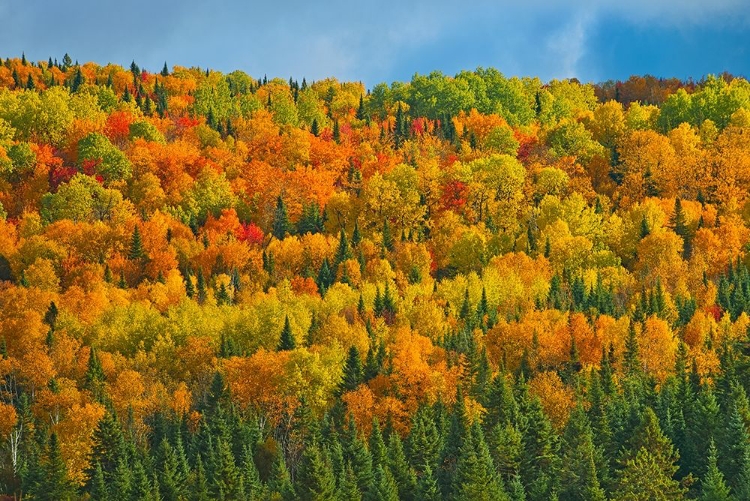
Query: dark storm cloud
x,y
389,40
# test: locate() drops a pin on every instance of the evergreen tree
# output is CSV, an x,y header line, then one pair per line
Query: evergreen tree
x,y
165,70
286,341
539,461
56,486
78,80
385,485
348,490
136,252
201,287
315,127
361,112
336,131
108,445
399,466
377,447
281,224
734,448
713,487
343,252
476,478
98,490
387,237
649,464
578,478
315,481
225,475
427,488
280,481
94,377
326,277
352,370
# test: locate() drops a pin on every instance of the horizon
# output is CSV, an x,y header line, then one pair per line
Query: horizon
x,y
590,41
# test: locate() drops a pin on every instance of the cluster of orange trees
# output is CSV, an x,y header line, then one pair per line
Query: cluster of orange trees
x,y
468,287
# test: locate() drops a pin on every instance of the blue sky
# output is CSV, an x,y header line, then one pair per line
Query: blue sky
x,y
387,40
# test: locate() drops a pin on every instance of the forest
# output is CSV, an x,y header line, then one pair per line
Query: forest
x,y
472,287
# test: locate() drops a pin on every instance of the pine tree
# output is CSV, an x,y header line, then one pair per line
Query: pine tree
x,y
315,127
713,487
377,448
165,70
387,237
199,483
385,485
281,225
361,112
427,488
225,475
326,277
280,481
94,377
136,252
286,341
222,296
476,478
56,486
734,451
343,252
352,370
539,460
315,481
578,479
78,80
98,490
30,83
336,131
399,466
201,287
348,490
361,460
649,464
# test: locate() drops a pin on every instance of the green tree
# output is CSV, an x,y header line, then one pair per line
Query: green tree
x,y
713,487
281,224
286,341
315,481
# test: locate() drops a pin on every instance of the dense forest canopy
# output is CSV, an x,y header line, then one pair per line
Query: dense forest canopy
x,y
214,286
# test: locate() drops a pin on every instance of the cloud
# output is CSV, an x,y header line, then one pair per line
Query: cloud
x,y
369,41
568,45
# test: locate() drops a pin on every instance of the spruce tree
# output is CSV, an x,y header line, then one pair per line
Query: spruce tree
x,y
385,485
315,481
202,292
427,487
578,478
57,484
352,370
713,487
286,341
649,464
399,466
343,252
387,237
281,224
136,252
98,489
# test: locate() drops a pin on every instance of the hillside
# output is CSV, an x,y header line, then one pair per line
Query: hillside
x,y
215,286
